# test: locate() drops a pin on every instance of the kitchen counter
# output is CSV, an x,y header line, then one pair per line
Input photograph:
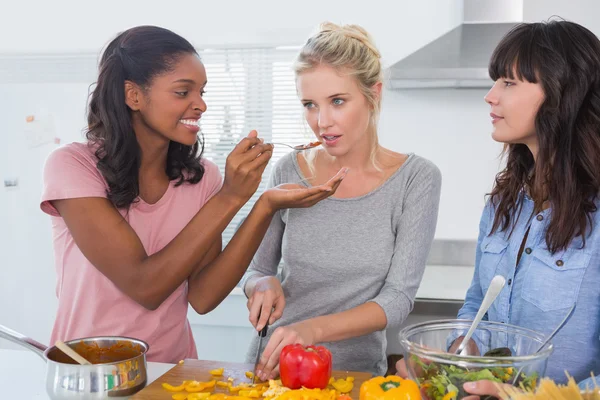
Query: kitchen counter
x,y
440,282
23,374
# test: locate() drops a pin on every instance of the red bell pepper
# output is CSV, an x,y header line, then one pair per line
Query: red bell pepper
x,y
308,367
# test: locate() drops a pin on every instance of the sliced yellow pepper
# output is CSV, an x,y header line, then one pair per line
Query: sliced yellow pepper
x,y
171,388
450,396
250,393
249,374
198,396
195,387
223,384
179,396
217,372
343,385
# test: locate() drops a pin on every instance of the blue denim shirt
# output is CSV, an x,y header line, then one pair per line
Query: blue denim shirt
x,y
540,290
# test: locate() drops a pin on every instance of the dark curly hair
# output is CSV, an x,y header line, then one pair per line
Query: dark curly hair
x,y
137,55
564,58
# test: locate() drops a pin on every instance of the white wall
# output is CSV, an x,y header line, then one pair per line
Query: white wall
x,y
584,12
27,279
451,128
400,27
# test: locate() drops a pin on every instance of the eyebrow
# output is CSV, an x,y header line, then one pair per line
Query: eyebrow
x,y
332,96
191,81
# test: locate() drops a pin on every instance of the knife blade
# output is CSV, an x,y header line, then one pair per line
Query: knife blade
x,y
261,335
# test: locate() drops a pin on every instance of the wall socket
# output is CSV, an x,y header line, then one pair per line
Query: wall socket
x,y
10,183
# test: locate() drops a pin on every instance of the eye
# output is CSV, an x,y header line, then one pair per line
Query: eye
x,y
202,92
508,83
338,101
182,94
308,105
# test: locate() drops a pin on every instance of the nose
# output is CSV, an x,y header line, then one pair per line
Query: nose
x,y
325,119
492,95
200,105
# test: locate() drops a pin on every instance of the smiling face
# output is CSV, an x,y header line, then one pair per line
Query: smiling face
x,y
335,109
172,105
514,105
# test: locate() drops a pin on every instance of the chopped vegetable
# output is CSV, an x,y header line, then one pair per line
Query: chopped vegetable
x,y
445,382
171,388
343,385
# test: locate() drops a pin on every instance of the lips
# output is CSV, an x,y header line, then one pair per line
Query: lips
x,y
495,118
191,124
330,140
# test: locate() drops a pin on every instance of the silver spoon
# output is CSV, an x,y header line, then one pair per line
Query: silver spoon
x,y
558,328
301,147
493,291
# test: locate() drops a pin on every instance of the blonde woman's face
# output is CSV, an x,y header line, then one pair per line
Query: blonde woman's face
x,y
335,109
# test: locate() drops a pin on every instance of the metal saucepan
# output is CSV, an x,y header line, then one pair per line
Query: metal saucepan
x,y
118,366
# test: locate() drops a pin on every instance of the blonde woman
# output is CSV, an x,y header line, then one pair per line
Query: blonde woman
x,y
352,263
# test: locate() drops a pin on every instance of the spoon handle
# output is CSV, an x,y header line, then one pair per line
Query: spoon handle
x,y
71,353
495,287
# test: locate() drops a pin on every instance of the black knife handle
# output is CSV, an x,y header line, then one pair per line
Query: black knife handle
x,y
263,331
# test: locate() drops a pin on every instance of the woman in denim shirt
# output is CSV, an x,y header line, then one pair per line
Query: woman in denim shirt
x,y
539,229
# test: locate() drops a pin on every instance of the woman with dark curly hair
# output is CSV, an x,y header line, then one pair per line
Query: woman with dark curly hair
x,y
540,227
137,213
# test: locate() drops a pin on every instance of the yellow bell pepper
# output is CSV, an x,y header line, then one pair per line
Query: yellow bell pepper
x,y
249,374
389,388
217,372
179,396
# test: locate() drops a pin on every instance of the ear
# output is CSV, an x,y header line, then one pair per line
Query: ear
x,y
377,88
133,95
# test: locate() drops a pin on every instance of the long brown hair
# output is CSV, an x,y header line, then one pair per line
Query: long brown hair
x,y
138,55
564,58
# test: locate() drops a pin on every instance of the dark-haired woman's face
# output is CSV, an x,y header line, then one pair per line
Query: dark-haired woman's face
x,y
173,104
514,106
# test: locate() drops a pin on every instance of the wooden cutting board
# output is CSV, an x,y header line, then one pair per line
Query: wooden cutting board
x,y
199,370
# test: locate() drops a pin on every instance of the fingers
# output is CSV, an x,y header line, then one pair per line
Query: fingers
x,y
337,178
270,357
261,161
253,134
278,311
253,153
401,369
483,387
245,144
260,306
255,305
265,312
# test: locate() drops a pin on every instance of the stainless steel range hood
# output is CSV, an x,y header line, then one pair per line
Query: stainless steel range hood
x,y
459,59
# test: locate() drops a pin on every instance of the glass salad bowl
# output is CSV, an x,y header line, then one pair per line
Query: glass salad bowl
x,y
499,352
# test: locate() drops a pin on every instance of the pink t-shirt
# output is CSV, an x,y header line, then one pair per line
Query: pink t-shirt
x,y
89,304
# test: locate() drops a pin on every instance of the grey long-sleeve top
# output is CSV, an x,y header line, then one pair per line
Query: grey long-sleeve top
x,y
342,253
